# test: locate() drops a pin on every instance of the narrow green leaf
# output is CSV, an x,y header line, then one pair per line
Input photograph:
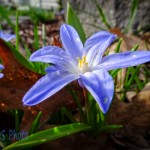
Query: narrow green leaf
x,y
28,52
134,74
48,135
147,71
102,15
135,47
73,20
128,73
118,46
101,118
35,123
139,83
134,7
68,114
5,15
110,127
77,102
43,34
17,30
114,73
20,58
93,115
130,69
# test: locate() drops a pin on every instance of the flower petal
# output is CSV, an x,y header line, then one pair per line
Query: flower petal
x,y
71,41
50,54
100,84
7,37
47,86
1,67
94,56
1,75
51,69
123,60
96,45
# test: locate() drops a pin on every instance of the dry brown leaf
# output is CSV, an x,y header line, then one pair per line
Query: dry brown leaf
x,y
18,80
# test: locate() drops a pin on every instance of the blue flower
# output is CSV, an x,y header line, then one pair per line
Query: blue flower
x,y
1,68
84,63
7,37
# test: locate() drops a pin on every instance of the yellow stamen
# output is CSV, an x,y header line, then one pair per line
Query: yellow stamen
x,y
82,61
83,64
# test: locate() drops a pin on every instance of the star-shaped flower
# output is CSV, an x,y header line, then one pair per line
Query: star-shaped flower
x,y
7,37
1,68
84,63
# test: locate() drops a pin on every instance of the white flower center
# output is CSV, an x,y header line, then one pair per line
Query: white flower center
x,y
83,64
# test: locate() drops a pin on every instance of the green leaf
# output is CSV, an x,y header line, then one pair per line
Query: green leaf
x,y
17,30
48,135
5,15
139,83
20,57
135,71
35,123
73,20
134,6
110,127
118,46
77,102
102,15
93,115
114,73
135,47
68,114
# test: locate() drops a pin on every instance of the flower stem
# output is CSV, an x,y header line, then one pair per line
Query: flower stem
x,y
86,104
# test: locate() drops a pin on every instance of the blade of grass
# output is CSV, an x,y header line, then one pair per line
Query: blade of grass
x,y
139,84
134,74
20,58
17,30
110,127
5,15
114,73
147,71
135,47
102,15
77,101
43,34
134,6
102,116
68,114
117,50
28,52
129,70
35,123
93,115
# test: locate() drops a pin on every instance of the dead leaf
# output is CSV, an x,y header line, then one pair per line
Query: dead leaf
x,y
18,80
